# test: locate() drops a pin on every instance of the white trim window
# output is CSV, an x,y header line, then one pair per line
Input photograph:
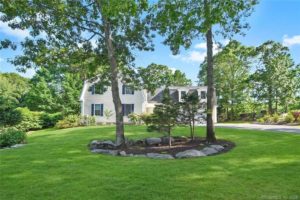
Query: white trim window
x,y
127,89
97,109
127,109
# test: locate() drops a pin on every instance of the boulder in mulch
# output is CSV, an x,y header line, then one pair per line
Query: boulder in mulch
x,y
209,151
159,156
165,140
190,153
153,141
105,151
108,144
217,147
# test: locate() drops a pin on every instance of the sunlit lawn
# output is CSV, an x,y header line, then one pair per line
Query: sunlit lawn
x,y
56,164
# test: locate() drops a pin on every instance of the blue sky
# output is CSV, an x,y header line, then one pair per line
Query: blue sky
x,y
277,20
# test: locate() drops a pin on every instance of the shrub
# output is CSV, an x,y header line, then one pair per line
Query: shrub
x,y
275,118
260,120
11,136
49,120
135,118
289,118
30,120
146,118
296,114
87,120
267,119
68,122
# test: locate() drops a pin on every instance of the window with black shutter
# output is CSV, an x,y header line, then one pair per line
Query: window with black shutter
x,y
98,109
127,109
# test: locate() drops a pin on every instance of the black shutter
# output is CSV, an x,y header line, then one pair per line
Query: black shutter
x,y
92,109
123,109
101,113
132,109
123,89
93,89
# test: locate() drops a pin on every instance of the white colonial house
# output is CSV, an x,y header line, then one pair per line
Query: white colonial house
x,y
96,100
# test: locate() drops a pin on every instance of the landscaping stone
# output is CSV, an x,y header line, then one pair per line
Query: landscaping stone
x,y
122,153
153,141
159,156
108,144
190,153
105,151
140,155
217,147
17,145
209,151
165,140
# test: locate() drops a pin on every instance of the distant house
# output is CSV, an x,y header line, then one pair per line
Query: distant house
x,y
95,99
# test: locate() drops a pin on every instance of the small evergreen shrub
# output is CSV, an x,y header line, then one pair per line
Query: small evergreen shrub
x,y
68,122
289,118
11,136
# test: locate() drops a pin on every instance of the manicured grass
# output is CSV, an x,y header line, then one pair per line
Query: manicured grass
x,y
56,164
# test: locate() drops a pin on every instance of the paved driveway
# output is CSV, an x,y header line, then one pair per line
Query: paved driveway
x,y
281,128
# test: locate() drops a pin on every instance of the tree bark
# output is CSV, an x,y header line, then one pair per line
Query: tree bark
x,y
270,101
210,133
120,138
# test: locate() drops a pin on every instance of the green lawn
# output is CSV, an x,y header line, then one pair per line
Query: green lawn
x,y
56,164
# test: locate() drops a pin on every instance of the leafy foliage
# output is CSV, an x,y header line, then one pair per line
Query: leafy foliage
x,y
155,76
29,120
11,136
68,122
13,88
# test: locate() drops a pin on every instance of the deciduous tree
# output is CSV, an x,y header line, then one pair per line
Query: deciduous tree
x,y
184,20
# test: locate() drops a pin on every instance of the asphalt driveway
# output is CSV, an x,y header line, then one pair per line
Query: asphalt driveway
x,y
280,128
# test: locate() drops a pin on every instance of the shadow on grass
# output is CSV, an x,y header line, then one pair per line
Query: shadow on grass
x,y
58,165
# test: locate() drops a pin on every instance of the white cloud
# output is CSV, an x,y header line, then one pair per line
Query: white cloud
x,y
191,56
198,55
18,33
291,41
201,45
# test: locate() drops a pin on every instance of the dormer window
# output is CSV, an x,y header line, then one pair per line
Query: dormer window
x,y
203,94
182,94
127,89
98,88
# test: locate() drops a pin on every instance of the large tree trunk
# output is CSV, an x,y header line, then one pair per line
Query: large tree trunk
x,y
270,101
120,138
210,133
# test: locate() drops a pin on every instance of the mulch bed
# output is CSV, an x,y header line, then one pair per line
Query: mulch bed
x,y
198,144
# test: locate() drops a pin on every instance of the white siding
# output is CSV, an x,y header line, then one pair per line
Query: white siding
x,y
138,99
